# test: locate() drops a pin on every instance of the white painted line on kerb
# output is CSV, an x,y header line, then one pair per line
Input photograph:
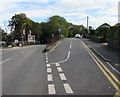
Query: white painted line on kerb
x,y
49,70
62,76
51,89
7,59
59,69
48,65
46,58
57,64
67,88
113,68
50,77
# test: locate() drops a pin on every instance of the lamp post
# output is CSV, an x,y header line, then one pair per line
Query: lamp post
x,y
22,32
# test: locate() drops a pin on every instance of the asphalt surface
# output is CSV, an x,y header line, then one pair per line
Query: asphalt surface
x,y
69,69
24,73
107,52
82,73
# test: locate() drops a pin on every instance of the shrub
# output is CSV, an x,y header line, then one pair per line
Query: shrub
x,y
14,45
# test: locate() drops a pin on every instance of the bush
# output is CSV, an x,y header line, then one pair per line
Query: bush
x,y
4,45
14,45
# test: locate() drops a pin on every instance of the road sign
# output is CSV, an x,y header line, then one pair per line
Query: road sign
x,y
31,38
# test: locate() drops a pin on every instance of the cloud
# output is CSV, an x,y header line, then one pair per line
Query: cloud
x,y
75,11
24,0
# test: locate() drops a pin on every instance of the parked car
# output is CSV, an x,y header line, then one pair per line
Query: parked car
x,y
77,36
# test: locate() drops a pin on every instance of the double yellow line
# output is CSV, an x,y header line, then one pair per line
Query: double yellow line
x,y
105,70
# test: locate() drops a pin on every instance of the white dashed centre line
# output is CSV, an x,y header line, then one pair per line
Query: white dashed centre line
x,y
67,88
57,64
46,61
49,70
62,76
59,69
70,46
48,65
51,89
50,77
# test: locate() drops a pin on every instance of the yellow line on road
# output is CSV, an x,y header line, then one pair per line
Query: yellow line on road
x,y
112,75
104,72
117,94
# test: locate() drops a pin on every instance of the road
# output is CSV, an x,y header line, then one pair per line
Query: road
x,y
107,52
24,73
70,69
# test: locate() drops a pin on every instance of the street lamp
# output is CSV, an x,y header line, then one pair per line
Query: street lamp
x,y
59,30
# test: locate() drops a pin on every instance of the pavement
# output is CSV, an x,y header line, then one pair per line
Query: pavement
x,y
107,52
70,69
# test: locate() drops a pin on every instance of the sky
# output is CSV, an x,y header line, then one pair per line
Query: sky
x,y
74,11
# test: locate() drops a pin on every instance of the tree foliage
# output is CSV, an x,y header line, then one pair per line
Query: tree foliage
x,y
114,33
103,30
55,26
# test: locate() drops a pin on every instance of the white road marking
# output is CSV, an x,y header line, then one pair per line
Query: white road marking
x,y
113,67
50,77
57,64
59,69
46,61
51,89
48,65
70,46
65,59
68,56
46,55
49,70
46,58
67,88
62,76
7,59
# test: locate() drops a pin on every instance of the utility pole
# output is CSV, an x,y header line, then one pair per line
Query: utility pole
x,y
87,21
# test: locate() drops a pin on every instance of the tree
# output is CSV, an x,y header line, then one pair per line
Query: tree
x,y
16,25
55,26
114,33
56,23
102,31
3,35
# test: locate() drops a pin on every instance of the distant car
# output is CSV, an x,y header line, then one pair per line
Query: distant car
x,y
77,36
